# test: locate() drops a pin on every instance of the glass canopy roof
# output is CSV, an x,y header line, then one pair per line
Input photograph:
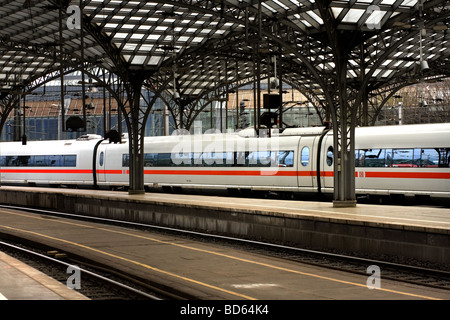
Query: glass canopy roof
x,y
208,44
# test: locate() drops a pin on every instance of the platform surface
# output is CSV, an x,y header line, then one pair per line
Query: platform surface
x,y
422,217
19,281
198,270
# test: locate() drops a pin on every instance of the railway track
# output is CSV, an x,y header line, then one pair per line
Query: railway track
x,y
431,276
96,284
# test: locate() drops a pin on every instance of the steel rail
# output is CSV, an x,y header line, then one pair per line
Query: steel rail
x,y
272,246
90,273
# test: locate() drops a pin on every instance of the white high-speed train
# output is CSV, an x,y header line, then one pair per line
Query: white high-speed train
x,y
406,160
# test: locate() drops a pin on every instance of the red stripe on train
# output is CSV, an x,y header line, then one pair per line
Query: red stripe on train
x,y
75,171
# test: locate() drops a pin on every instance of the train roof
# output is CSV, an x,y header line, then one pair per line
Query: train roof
x,y
414,136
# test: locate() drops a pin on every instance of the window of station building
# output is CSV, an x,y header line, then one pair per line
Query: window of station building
x,y
330,156
305,156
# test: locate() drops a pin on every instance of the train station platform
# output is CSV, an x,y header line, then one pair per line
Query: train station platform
x,y
19,281
419,233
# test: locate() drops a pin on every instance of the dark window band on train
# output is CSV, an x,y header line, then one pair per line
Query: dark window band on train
x,y
403,158
39,161
217,159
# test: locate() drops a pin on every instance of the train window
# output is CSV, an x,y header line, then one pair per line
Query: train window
x,y
358,156
284,158
125,160
197,159
305,156
433,158
330,156
372,158
70,161
444,157
240,158
164,160
100,162
150,159
264,159
417,157
251,159
229,160
388,161
403,158
39,161
181,159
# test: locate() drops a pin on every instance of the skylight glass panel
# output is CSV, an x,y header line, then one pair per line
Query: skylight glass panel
x,y
269,7
183,39
139,59
144,27
374,20
281,4
146,47
376,72
153,37
130,46
387,73
120,35
336,11
197,39
409,3
128,26
313,15
137,36
154,60
353,15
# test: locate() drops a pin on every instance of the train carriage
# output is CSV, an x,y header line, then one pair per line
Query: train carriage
x,y
409,160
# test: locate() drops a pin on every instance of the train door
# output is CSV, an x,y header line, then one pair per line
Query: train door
x,y
306,165
101,163
327,163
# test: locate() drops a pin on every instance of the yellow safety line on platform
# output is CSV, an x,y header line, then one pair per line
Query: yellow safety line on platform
x,y
134,262
209,252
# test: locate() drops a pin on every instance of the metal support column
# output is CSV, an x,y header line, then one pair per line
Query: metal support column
x,y
136,138
342,110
